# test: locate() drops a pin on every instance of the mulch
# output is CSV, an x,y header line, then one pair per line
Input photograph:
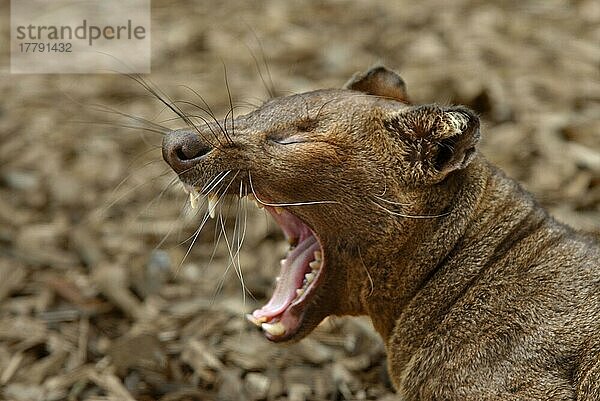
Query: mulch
x,y
100,298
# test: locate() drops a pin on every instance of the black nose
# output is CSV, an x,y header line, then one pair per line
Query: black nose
x,y
182,149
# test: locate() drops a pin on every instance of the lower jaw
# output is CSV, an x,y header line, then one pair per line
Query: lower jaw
x,y
292,323
287,323
307,320
295,321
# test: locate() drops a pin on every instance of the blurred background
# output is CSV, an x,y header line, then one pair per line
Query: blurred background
x,y
97,300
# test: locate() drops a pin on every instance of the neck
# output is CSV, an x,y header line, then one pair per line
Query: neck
x,y
431,270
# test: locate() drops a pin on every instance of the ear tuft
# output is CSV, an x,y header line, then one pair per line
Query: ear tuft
x,y
379,81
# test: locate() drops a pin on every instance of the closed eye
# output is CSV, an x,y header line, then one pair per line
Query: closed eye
x,y
289,140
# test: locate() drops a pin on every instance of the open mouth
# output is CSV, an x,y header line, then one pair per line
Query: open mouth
x,y
299,276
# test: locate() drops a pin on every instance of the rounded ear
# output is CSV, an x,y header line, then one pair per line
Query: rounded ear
x,y
435,141
379,81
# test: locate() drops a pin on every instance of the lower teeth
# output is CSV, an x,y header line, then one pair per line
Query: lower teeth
x,y
275,329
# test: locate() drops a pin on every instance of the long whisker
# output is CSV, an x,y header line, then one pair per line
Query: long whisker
x,y
306,203
248,105
164,99
232,262
366,270
408,216
187,102
107,109
216,241
208,109
130,175
222,231
236,238
243,234
173,225
207,214
194,238
220,197
158,197
113,124
240,238
260,74
230,106
384,188
391,202
204,220
271,87
130,190
215,181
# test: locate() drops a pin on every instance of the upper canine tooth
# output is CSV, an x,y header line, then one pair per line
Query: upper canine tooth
x,y
275,329
212,204
194,196
315,264
257,321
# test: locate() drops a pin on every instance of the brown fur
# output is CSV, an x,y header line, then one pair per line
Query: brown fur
x,y
477,292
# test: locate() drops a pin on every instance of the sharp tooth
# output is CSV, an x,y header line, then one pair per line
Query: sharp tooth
x,y
256,321
251,197
315,264
278,210
194,196
275,329
309,277
212,204
299,292
318,256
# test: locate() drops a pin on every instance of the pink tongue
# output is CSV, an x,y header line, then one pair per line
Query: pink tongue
x,y
290,278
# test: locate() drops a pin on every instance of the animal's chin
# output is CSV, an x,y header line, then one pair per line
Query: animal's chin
x,y
301,274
